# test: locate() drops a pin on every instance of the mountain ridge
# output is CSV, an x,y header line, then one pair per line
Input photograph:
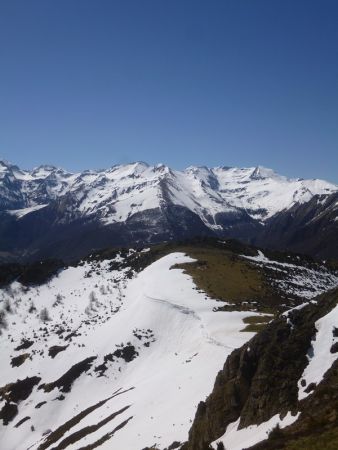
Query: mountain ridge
x,y
141,204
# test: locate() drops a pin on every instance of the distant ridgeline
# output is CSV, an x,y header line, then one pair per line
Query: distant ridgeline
x,y
51,213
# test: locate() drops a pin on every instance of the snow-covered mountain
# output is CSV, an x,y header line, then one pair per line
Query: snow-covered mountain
x,y
115,194
138,203
117,350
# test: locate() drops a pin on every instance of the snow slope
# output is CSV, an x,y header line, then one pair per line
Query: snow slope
x,y
177,344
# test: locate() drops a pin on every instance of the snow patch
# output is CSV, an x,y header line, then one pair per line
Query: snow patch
x,y
19,213
238,439
319,355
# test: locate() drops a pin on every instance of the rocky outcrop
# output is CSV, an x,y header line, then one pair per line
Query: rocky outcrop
x,y
260,379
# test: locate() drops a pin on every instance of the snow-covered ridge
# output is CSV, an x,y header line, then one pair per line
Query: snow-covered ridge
x,y
114,194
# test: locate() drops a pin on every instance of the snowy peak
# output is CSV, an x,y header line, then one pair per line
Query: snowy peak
x,y
43,171
261,173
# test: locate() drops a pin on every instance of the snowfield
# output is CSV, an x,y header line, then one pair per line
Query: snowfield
x,y
150,346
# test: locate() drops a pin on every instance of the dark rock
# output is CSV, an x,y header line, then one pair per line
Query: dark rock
x,y
311,387
22,421
70,336
334,348
101,369
20,390
55,349
25,343
174,445
19,360
128,353
65,382
8,412
37,406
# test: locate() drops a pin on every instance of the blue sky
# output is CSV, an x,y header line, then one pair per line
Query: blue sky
x,y
183,82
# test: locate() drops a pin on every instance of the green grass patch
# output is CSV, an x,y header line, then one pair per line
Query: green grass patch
x,y
224,276
227,277
327,440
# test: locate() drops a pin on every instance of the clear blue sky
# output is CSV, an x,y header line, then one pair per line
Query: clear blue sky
x,y
88,84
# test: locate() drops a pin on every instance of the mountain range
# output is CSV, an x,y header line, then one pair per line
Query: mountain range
x,y
49,212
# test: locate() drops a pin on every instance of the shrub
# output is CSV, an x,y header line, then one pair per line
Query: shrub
x,y
92,302
32,308
44,315
7,305
103,290
58,300
3,321
92,297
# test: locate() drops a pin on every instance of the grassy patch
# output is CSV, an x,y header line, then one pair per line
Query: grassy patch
x,y
327,440
225,276
256,323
